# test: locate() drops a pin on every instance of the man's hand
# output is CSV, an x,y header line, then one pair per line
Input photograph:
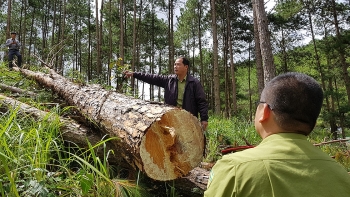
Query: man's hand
x,y
128,73
204,125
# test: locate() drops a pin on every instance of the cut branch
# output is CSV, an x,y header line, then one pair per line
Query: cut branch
x,y
17,90
333,141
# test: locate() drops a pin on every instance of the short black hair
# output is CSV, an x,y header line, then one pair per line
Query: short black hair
x,y
185,61
13,32
296,99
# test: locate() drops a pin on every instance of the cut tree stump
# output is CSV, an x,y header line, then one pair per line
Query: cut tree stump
x,y
162,141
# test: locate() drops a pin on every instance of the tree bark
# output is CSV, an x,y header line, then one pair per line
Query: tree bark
x,y
110,45
8,23
197,181
62,28
232,65
217,104
171,35
192,185
342,59
163,141
264,41
17,90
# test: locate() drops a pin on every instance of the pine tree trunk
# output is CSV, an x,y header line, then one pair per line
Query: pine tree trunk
x,y
163,141
264,41
216,77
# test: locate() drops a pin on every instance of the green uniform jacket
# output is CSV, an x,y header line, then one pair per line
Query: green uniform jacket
x,y
282,165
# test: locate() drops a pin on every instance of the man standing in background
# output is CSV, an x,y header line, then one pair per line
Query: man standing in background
x,y
14,45
181,90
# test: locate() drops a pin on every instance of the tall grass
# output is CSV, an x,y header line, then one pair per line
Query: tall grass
x,y
35,162
26,148
223,132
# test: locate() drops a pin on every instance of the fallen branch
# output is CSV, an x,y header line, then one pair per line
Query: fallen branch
x,y
17,90
333,141
42,61
52,54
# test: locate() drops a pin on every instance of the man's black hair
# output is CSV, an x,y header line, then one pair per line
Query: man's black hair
x,y
296,99
185,61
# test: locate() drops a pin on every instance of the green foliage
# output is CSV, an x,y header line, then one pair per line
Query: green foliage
x,y
76,76
228,132
288,9
119,67
27,148
34,162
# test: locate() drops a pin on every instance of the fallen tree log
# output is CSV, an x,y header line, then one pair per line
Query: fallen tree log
x,y
163,141
70,130
194,184
15,89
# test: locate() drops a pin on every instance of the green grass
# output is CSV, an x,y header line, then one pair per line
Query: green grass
x,y
228,132
34,162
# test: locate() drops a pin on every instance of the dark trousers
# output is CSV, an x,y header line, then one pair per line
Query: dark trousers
x,y
19,57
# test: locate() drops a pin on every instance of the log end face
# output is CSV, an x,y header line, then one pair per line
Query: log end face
x,y
172,146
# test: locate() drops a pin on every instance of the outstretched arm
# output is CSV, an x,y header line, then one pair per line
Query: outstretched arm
x,y
154,79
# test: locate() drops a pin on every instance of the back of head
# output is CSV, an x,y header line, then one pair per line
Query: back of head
x,y
296,100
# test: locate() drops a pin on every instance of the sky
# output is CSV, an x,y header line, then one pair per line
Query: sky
x,y
269,6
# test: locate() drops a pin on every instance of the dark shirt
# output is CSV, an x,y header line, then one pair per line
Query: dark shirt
x,y
194,99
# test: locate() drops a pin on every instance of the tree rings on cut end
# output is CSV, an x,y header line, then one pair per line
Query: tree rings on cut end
x,y
172,146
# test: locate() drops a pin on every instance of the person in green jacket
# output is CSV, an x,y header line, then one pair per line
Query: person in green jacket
x,y
285,163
